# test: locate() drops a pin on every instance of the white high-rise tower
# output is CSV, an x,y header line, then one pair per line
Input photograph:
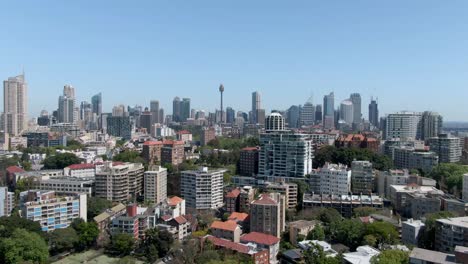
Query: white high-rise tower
x,y
15,105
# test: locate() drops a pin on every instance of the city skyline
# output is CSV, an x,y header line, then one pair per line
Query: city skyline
x,y
389,51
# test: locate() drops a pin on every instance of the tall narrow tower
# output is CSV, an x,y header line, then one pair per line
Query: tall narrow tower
x,y
221,90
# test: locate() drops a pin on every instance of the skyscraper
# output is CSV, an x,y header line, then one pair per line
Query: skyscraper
x,y
15,105
96,102
318,113
329,110
230,115
176,109
66,106
154,109
357,113
185,109
374,113
256,104
347,111
404,125
308,113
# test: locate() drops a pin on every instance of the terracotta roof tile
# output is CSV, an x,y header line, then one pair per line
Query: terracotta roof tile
x,y
184,132
174,201
260,238
180,220
229,244
250,148
166,218
228,225
152,143
81,166
235,216
265,199
233,194
14,169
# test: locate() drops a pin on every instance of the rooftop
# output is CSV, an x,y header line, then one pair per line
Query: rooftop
x,y
14,169
233,194
228,225
432,256
81,166
229,244
235,216
456,221
174,200
363,255
265,199
260,238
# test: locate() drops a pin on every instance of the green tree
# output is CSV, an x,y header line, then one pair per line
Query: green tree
x,y
61,240
391,256
23,246
87,232
348,231
370,240
207,256
8,224
157,243
302,187
363,211
329,215
384,232
347,155
449,176
129,156
315,254
427,238
97,205
316,234
60,161
121,244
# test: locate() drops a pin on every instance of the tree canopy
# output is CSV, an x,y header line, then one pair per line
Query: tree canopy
x,y
129,156
60,161
122,244
87,233
23,246
449,176
11,223
62,240
347,155
97,205
392,256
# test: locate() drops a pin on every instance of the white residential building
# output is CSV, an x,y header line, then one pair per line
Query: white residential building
x,y
6,201
50,211
448,148
80,170
15,105
155,185
66,185
404,125
202,189
331,179
410,231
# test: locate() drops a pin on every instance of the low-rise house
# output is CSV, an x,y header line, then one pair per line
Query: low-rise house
x,y
300,227
227,230
362,255
258,254
264,241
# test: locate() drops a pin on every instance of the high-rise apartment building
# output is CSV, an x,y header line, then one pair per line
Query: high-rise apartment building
x,y
15,105
357,111
267,214
202,189
66,106
118,182
329,111
374,113
448,148
119,126
431,125
362,177
146,118
6,201
283,154
155,184
403,125
331,179
248,161
185,109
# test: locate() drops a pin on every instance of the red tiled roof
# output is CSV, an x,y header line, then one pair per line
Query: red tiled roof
x,y
166,218
14,169
152,143
180,220
228,225
233,194
173,142
174,201
235,216
265,199
260,238
250,148
117,163
229,244
184,132
81,166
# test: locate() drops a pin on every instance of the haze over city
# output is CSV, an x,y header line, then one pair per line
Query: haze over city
x,y
410,55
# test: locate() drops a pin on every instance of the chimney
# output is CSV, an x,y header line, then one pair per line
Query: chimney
x,y
132,210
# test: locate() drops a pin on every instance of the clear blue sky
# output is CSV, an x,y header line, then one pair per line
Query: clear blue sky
x,y
412,55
